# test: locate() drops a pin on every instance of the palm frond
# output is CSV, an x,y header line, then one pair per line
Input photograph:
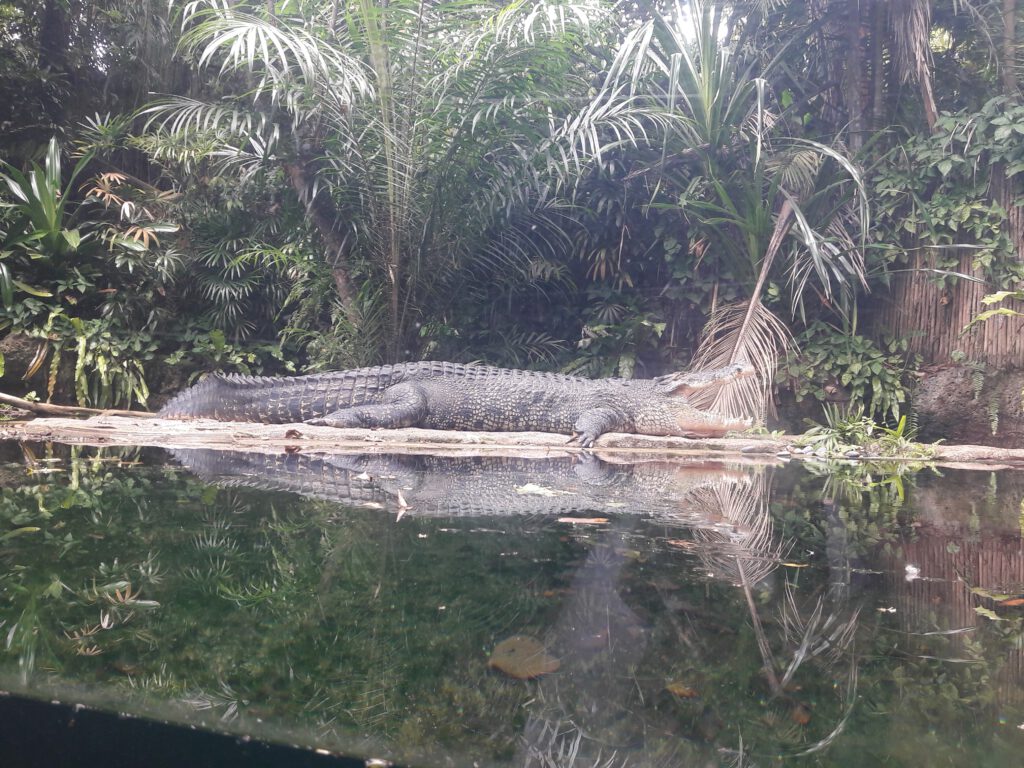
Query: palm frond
x,y
277,54
744,333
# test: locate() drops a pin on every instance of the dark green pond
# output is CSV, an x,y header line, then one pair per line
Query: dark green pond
x,y
665,614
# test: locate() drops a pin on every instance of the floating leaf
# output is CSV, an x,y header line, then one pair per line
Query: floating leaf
x,y
800,714
682,690
523,658
681,543
988,613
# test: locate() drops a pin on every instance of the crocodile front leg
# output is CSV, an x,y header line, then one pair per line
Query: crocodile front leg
x,y
593,423
403,405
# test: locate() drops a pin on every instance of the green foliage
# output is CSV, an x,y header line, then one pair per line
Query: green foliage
x,y
831,363
931,192
843,428
997,298
615,339
69,252
423,186
202,351
848,428
36,223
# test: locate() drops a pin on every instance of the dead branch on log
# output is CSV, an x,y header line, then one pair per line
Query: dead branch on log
x,y
47,409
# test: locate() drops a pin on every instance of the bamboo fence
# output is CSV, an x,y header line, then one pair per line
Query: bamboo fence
x,y
933,317
932,313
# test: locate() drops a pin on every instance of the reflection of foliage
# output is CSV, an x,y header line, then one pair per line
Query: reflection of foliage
x,y
862,503
53,601
947,685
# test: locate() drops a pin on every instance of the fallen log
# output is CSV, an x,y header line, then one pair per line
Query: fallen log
x,y
147,430
110,429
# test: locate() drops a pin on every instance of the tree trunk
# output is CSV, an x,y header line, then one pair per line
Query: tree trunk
x,y
856,75
324,216
54,43
878,115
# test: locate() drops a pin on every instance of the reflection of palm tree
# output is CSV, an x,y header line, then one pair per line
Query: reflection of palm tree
x,y
743,549
601,640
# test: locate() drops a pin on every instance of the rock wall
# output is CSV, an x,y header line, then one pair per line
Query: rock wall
x,y
965,404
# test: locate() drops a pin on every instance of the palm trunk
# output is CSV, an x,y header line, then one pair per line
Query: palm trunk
x,y
322,213
855,77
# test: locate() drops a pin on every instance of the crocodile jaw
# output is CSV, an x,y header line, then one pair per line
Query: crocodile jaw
x,y
675,416
696,422
710,424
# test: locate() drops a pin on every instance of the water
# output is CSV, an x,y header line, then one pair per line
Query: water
x,y
376,606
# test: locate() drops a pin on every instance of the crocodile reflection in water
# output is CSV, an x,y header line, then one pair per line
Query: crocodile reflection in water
x,y
471,485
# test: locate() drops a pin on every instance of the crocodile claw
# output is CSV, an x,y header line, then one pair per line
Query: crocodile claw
x,y
584,440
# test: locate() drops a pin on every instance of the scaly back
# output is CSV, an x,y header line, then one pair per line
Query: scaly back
x,y
280,400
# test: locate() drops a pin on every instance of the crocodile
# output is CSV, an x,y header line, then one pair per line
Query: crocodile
x,y
454,396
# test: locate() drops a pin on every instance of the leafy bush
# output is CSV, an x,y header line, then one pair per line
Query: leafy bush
x,y
933,189
873,376
210,350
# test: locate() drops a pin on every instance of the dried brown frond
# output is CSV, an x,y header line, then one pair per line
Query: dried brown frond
x,y
741,333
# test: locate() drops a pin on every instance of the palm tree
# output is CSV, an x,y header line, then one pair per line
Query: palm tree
x,y
432,144
760,206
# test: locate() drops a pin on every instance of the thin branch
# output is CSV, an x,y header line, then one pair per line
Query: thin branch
x,y
47,409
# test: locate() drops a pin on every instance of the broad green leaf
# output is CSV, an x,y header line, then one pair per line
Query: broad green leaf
x,y
31,289
990,313
6,285
988,613
994,298
19,532
72,237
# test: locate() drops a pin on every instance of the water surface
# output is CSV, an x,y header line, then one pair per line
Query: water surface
x,y
502,611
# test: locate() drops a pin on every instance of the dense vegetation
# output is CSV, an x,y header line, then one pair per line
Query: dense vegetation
x,y
303,184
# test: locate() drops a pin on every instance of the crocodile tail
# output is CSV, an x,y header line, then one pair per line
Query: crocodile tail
x,y
278,400
200,400
235,398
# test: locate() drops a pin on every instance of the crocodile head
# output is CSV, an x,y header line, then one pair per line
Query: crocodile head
x,y
686,419
688,382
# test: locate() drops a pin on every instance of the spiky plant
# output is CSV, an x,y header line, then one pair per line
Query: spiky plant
x,y
760,208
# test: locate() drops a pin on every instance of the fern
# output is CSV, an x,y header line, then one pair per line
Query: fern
x,y
993,412
977,379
